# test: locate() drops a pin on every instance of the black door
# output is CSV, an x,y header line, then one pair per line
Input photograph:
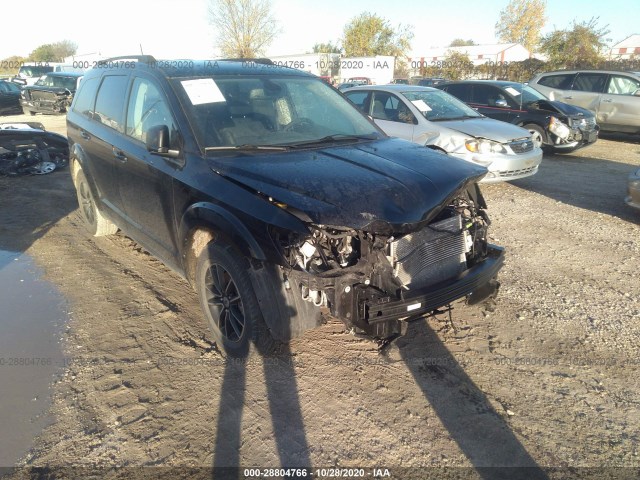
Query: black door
x,y
490,101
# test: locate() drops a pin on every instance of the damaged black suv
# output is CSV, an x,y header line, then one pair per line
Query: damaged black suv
x,y
276,198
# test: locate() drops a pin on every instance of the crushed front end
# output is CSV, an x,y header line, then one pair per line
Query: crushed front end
x,y
376,280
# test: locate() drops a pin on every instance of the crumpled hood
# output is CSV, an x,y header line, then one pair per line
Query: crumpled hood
x,y
387,185
484,127
564,108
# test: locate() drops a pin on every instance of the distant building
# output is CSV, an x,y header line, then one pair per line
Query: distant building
x,y
478,54
626,49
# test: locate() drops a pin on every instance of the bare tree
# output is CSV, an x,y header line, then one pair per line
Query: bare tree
x,y
244,28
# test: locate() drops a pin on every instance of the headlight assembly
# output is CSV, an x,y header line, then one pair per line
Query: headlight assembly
x,y
484,146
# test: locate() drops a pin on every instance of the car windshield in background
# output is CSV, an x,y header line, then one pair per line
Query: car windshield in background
x,y
529,95
439,106
253,111
62,82
34,71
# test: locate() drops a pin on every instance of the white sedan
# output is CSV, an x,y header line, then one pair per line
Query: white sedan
x,y
438,120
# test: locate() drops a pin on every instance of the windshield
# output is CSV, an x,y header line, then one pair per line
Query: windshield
x,y
283,111
62,82
33,71
529,95
437,105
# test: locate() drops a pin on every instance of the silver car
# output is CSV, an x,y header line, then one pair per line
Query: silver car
x,y
440,121
614,97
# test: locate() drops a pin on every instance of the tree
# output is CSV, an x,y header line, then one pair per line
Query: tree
x,y
578,47
326,48
521,22
53,52
368,35
244,27
459,42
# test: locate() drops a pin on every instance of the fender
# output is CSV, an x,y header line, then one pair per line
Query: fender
x,y
220,220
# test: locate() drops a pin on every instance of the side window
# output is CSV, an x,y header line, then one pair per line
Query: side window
x,y
388,107
460,91
486,95
110,101
85,96
147,108
590,82
619,85
359,99
561,82
3,88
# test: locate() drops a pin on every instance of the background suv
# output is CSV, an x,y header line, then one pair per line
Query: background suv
x,y
275,197
554,125
614,97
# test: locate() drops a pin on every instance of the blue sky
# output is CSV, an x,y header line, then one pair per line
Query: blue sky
x,y
180,29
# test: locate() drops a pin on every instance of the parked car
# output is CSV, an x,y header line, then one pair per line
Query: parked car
x,y
275,197
427,81
9,98
434,118
30,73
633,190
614,97
344,85
399,81
52,93
360,80
555,126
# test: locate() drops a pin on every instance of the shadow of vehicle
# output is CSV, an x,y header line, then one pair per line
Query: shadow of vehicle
x,y
621,137
591,183
25,215
481,433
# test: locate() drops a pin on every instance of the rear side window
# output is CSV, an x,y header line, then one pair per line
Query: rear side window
x,y
460,91
590,82
85,96
561,82
110,101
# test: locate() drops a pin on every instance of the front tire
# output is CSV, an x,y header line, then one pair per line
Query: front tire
x,y
97,224
538,134
229,303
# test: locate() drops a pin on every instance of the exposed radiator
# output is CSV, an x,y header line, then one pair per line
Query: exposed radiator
x,y
431,255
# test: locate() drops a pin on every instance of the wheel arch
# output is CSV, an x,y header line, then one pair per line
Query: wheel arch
x,y
203,222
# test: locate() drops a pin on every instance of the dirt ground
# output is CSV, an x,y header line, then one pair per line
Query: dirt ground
x,y
547,378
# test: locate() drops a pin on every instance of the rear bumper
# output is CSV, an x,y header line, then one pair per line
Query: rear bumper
x,y
381,316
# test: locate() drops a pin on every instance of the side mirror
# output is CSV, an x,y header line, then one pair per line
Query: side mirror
x,y
158,142
502,103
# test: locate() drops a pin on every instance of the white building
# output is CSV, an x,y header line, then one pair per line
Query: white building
x,y
626,49
499,54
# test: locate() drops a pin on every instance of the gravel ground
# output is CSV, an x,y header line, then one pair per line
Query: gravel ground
x,y
546,378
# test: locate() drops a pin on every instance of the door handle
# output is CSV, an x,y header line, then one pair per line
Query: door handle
x,y
119,154
85,135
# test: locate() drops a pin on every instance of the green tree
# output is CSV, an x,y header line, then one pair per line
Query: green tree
x,y
521,21
459,42
369,35
326,48
581,46
53,52
244,28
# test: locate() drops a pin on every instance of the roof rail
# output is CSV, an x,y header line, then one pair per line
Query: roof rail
x,y
140,58
262,61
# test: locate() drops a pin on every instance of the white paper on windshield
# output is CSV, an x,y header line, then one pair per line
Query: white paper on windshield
x,y
512,91
420,105
202,90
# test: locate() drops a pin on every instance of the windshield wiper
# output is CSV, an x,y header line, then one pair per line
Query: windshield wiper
x,y
249,148
336,138
446,119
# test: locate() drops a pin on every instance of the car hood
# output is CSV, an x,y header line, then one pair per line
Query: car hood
x,y
484,127
385,186
564,108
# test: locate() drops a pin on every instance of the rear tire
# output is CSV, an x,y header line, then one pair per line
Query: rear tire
x,y
229,302
97,224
